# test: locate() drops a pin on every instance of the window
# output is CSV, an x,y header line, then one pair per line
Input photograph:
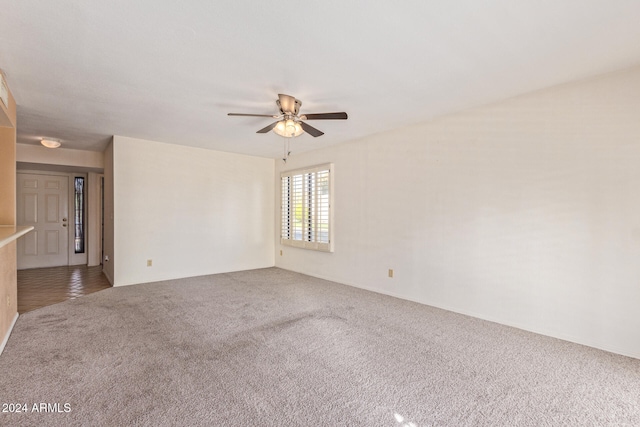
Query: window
x,y
306,208
78,204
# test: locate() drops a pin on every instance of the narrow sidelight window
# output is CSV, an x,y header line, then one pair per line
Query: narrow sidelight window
x,y
78,217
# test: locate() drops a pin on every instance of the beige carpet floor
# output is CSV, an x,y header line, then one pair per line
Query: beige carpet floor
x,y
275,348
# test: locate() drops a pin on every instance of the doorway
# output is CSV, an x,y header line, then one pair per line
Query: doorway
x,y
61,258
55,205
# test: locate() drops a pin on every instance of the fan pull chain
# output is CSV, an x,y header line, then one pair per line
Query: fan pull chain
x,y
286,151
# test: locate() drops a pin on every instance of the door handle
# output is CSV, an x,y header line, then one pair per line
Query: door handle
x,y
64,225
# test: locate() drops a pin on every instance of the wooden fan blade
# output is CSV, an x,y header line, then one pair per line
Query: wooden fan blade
x,y
252,115
325,116
311,130
268,128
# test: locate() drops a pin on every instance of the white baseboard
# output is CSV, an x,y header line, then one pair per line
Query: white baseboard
x,y
8,334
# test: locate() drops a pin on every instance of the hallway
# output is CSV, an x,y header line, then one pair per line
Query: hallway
x,y
40,287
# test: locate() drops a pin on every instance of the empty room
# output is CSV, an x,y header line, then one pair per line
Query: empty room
x,y
320,214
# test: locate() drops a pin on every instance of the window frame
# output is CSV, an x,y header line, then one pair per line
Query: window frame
x,y
313,223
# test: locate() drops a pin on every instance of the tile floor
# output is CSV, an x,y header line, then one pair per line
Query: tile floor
x,y
40,287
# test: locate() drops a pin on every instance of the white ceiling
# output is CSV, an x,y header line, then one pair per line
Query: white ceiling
x,y
170,70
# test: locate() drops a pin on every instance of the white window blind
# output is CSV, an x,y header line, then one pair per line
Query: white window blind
x,y
306,208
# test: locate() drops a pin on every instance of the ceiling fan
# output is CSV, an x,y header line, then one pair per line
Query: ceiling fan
x,y
290,122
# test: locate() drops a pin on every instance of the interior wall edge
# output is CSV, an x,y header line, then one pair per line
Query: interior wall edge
x,y
8,333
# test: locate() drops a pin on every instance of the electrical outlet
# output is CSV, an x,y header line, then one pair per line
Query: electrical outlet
x,y
8,301
391,272
280,252
106,258
149,263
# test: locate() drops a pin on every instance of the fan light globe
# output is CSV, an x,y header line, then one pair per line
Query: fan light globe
x,y
288,128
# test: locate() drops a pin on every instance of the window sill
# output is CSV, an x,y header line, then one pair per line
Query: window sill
x,y
314,246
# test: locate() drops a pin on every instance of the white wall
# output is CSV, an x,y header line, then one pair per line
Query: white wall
x,y
60,156
192,211
526,212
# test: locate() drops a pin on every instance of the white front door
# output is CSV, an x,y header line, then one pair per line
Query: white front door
x,y
42,201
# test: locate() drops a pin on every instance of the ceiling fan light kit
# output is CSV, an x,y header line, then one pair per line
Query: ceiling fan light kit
x,y
290,123
288,128
50,143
